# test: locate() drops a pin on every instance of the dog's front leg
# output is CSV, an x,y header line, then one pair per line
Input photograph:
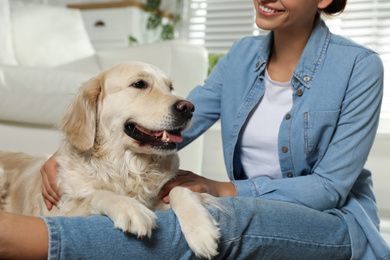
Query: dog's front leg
x,y
127,214
198,226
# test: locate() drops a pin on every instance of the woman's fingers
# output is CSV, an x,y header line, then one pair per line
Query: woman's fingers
x,y
50,191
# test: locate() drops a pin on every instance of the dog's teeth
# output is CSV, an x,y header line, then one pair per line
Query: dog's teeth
x,y
165,137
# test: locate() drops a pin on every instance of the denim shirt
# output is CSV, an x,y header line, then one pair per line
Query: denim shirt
x,y
324,140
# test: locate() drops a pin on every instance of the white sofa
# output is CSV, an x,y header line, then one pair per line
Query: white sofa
x,y
39,76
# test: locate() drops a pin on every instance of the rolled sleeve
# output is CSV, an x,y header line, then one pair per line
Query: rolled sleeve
x,y
246,188
54,238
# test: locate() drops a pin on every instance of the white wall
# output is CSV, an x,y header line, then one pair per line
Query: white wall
x,y
378,162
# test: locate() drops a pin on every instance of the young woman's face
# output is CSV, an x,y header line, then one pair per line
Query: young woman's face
x,y
285,15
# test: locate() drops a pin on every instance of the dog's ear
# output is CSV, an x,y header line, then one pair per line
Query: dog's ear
x,y
79,122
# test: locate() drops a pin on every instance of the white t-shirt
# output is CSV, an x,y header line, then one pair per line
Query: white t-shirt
x,y
259,139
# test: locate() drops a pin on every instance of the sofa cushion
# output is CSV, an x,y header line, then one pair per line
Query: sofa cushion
x,y
7,55
48,36
88,65
37,96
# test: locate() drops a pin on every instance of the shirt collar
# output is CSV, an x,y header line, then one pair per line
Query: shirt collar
x,y
311,56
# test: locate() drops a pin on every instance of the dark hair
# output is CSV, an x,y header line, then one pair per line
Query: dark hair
x,y
336,7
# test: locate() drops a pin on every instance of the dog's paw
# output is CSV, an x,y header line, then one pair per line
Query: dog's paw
x,y
134,218
202,236
197,224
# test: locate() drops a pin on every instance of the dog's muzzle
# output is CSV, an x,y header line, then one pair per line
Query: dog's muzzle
x,y
163,139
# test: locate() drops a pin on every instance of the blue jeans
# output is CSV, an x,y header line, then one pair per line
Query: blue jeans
x,y
254,229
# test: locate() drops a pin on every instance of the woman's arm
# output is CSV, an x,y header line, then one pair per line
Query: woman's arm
x,y
22,237
198,183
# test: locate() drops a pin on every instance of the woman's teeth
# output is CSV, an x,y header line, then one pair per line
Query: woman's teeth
x,y
267,10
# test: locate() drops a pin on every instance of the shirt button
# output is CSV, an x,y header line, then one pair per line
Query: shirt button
x,y
284,149
296,80
307,78
288,116
257,64
289,175
299,92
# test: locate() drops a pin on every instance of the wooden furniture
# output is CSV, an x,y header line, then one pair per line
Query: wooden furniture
x,y
110,24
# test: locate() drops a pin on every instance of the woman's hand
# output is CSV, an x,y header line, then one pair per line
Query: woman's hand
x,y
198,183
50,191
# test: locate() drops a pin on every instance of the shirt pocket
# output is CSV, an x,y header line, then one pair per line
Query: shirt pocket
x,y
319,127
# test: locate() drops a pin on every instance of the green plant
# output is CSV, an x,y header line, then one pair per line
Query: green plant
x,y
132,40
155,20
213,60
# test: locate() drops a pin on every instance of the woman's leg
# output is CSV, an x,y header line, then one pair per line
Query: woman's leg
x,y
22,237
264,229
254,229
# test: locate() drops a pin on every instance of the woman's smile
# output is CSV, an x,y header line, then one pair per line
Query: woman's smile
x,y
267,11
291,16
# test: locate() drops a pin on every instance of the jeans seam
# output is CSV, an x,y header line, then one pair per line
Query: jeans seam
x,y
53,234
357,228
285,239
58,239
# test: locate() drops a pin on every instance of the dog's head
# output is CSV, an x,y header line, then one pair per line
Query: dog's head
x,y
129,105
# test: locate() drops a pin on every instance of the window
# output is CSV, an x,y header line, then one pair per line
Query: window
x,y
218,24
368,22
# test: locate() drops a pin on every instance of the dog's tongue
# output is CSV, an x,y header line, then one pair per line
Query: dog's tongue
x,y
174,136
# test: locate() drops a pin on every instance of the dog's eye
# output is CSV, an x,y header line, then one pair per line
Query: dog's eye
x,y
140,84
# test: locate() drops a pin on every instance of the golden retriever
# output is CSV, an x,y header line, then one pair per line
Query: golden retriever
x,y
118,151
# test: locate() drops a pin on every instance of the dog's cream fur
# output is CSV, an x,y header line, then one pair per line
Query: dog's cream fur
x,y
105,171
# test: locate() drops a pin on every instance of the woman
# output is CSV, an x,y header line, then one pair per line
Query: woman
x,y
299,110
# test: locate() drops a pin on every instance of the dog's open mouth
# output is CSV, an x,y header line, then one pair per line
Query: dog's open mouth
x,y
163,139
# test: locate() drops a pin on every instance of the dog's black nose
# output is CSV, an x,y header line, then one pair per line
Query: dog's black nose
x,y
184,108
